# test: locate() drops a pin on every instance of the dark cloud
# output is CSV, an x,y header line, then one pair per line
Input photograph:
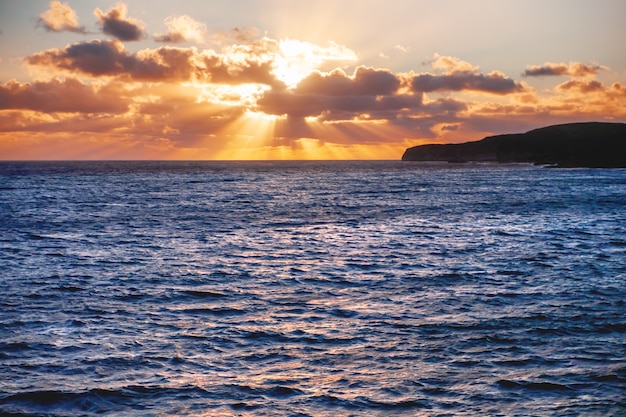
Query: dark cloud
x,y
94,58
115,23
575,69
56,95
493,83
546,70
389,108
354,127
279,102
170,37
365,81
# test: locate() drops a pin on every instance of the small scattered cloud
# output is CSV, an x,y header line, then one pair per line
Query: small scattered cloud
x,y
60,17
452,65
115,23
182,29
402,48
574,69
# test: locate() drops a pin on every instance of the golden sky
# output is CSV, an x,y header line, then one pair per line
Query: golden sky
x,y
288,80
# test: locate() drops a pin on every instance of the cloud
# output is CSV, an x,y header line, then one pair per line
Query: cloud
x,y
459,75
571,101
95,58
402,48
574,69
115,23
56,95
581,86
182,29
592,89
166,64
494,83
60,17
452,65
365,81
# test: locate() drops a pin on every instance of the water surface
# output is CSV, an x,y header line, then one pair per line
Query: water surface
x,y
311,288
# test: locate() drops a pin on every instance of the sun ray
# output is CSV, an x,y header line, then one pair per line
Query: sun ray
x,y
251,131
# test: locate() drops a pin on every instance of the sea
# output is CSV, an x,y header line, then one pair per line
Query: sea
x,y
311,288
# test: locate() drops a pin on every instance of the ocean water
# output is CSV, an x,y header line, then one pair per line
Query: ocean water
x,y
311,289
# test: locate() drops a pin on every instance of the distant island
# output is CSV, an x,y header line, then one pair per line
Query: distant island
x,y
594,144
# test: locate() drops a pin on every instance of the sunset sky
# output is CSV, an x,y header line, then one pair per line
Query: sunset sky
x,y
284,79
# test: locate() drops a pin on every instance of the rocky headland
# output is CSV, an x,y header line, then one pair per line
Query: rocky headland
x,y
593,144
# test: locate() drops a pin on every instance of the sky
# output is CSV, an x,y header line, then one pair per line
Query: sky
x,y
284,79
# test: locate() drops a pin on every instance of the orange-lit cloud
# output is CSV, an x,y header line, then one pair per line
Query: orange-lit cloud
x,y
60,17
182,29
115,23
53,96
168,64
451,65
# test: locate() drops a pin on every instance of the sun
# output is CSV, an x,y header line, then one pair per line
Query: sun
x,y
296,59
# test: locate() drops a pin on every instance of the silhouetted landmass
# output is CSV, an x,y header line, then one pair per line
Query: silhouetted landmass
x,y
592,144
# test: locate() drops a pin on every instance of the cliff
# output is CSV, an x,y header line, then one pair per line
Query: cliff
x,y
592,144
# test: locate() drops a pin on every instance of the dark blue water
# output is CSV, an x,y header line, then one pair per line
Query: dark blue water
x,y
311,288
